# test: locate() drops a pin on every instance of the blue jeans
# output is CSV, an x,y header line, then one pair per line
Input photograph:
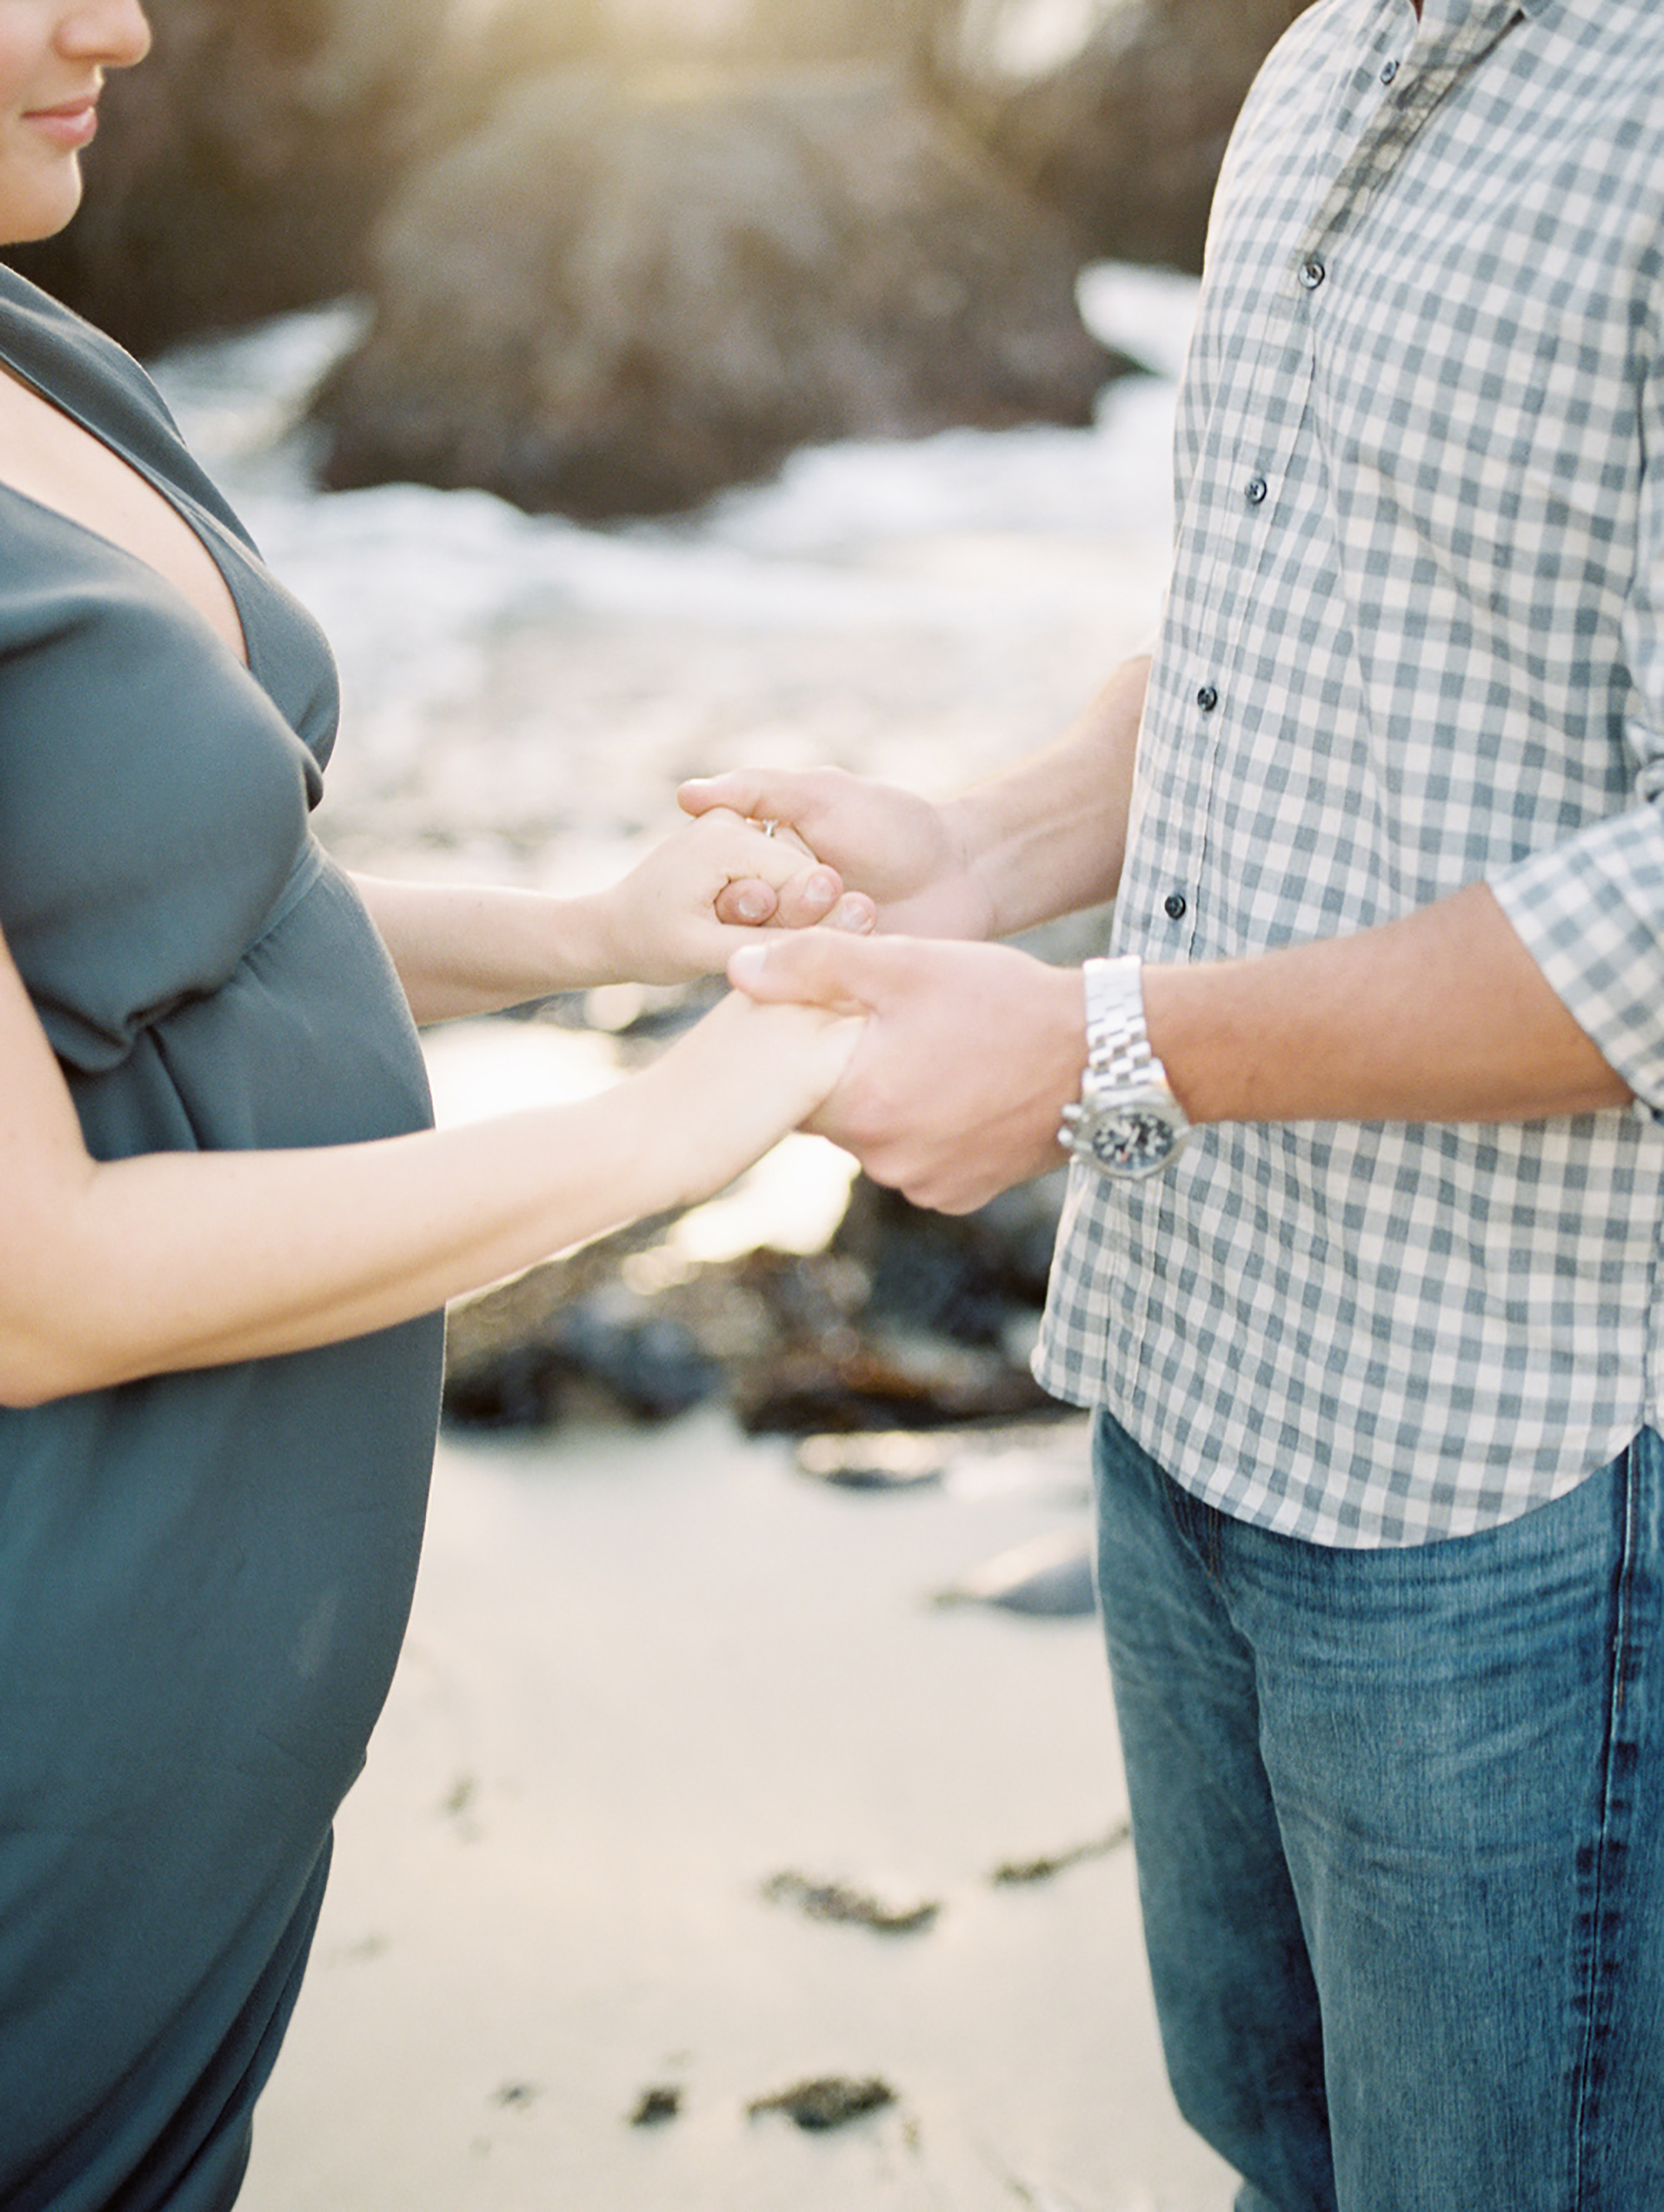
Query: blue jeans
x,y
1399,1825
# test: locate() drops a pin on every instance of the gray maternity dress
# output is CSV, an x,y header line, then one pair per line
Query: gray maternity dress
x,y
204,1577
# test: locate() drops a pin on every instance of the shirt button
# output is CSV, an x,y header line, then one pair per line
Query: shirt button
x,y
1208,698
1389,71
1255,489
1312,273
1175,906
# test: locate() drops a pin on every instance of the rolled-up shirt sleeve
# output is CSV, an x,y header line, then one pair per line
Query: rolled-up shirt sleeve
x,y
1590,911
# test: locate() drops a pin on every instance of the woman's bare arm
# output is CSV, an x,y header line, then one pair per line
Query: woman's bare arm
x,y
111,1271
471,950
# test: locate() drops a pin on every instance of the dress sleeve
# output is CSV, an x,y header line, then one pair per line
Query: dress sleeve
x,y
153,800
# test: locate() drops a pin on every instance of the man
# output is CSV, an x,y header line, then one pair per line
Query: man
x,y
1359,1260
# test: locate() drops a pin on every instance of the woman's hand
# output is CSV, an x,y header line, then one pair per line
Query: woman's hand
x,y
695,899
729,1088
900,849
679,914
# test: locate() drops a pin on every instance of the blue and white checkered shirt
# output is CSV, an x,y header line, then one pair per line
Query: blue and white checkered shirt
x,y
1414,638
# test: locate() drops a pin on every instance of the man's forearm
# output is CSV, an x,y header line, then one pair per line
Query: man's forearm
x,y
1048,836
1440,1016
972,1051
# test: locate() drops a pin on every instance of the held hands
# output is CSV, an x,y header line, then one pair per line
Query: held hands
x,y
685,909
942,1066
898,849
956,1087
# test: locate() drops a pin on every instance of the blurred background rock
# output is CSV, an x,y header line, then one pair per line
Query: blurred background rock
x,y
618,255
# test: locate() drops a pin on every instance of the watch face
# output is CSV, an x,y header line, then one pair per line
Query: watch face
x,y
1131,1140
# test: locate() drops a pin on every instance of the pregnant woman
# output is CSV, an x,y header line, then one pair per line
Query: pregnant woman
x,y
226,1229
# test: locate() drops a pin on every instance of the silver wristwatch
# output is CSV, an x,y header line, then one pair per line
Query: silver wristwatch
x,y
1127,1122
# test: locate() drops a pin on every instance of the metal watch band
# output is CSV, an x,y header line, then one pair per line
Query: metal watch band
x,y
1117,1042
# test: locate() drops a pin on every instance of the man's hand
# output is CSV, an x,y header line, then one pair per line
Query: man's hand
x,y
897,848
956,1088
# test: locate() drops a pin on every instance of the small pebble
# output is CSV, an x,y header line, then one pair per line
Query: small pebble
x,y
1050,1577
873,1459
1015,1873
830,2101
833,1900
656,2106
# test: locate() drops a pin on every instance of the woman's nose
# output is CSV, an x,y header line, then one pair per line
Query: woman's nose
x,y
113,33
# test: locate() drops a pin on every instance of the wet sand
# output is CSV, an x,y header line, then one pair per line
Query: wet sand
x,y
648,1673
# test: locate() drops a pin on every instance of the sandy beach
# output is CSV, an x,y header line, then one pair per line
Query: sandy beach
x,y
649,1673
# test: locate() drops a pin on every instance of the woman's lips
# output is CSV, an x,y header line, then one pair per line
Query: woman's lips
x,y
71,125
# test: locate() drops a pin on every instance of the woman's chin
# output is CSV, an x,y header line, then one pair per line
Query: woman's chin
x,y
25,218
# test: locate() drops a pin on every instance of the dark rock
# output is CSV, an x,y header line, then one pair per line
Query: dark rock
x,y
644,1363
656,2106
518,1388
515,1355
652,1362
831,1366
909,1321
793,1339
830,2101
889,1382
960,1275
620,296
